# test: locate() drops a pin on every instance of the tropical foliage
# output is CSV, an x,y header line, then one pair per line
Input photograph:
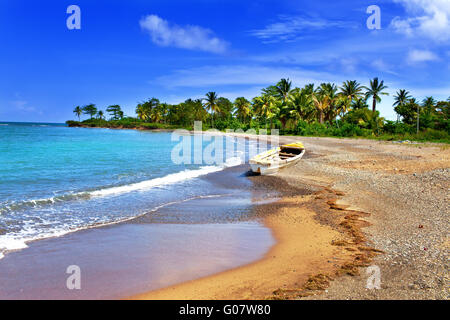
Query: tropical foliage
x,y
90,109
323,110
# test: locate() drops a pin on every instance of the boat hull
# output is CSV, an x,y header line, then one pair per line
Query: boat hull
x,y
264,170
273,167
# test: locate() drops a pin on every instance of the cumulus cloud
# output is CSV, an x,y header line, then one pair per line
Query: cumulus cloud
x,y
428,18
417,56
189,37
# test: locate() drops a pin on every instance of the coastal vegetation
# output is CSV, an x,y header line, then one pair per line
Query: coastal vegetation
x,y
324,110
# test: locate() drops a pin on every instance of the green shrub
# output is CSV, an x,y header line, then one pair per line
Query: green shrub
x,y
72,123
433,135
393,127
154,126
312,129
347,130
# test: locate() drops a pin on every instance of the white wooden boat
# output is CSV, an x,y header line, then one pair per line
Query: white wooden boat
x,y
271,161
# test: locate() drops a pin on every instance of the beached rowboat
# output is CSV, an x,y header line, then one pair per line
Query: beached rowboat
x,y
271,161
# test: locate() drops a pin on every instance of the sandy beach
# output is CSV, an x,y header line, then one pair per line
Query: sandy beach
x,y
347,205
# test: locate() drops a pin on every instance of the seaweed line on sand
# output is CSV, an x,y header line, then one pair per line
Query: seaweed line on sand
x,y
348,222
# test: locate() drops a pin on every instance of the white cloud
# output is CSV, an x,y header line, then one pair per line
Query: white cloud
x,y
23,106
438,92
248,80
349,65
289,28
187,37
417,56
428,18
380,65
239,75
199,93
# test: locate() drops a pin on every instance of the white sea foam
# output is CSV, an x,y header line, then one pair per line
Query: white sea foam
x,y
166,180
10,243
18,241
169,179
148,184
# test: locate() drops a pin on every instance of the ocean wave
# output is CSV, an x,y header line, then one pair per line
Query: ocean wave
x,y
169,179
32,232
19,205
166,180
18,241
157,182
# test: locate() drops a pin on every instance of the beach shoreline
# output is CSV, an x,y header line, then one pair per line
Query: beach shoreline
x,y
348,210
171,243
288,270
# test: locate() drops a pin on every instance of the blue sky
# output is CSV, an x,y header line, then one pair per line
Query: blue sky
x,y
128,51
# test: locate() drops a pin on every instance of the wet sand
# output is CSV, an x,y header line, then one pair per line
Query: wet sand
x,y
312,248
122,260
179,242
347,205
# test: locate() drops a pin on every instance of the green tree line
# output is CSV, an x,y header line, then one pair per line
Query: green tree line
x,y
325,110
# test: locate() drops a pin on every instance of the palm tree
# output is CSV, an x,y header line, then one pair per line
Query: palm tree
x,y
114,110
156,114
360,103
243,108
78,111
90,109
212,105
375,90
266,107
400,99
342,105
335,100
198,111
429,104
100,114
321,102
283,90
141,112
164,107
324,99
302,105
351,90
309,88
144,109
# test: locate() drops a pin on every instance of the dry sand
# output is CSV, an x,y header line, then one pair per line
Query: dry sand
x,y
347,205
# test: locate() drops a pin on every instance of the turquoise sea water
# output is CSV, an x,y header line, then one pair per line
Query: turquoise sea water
x,y
55,180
